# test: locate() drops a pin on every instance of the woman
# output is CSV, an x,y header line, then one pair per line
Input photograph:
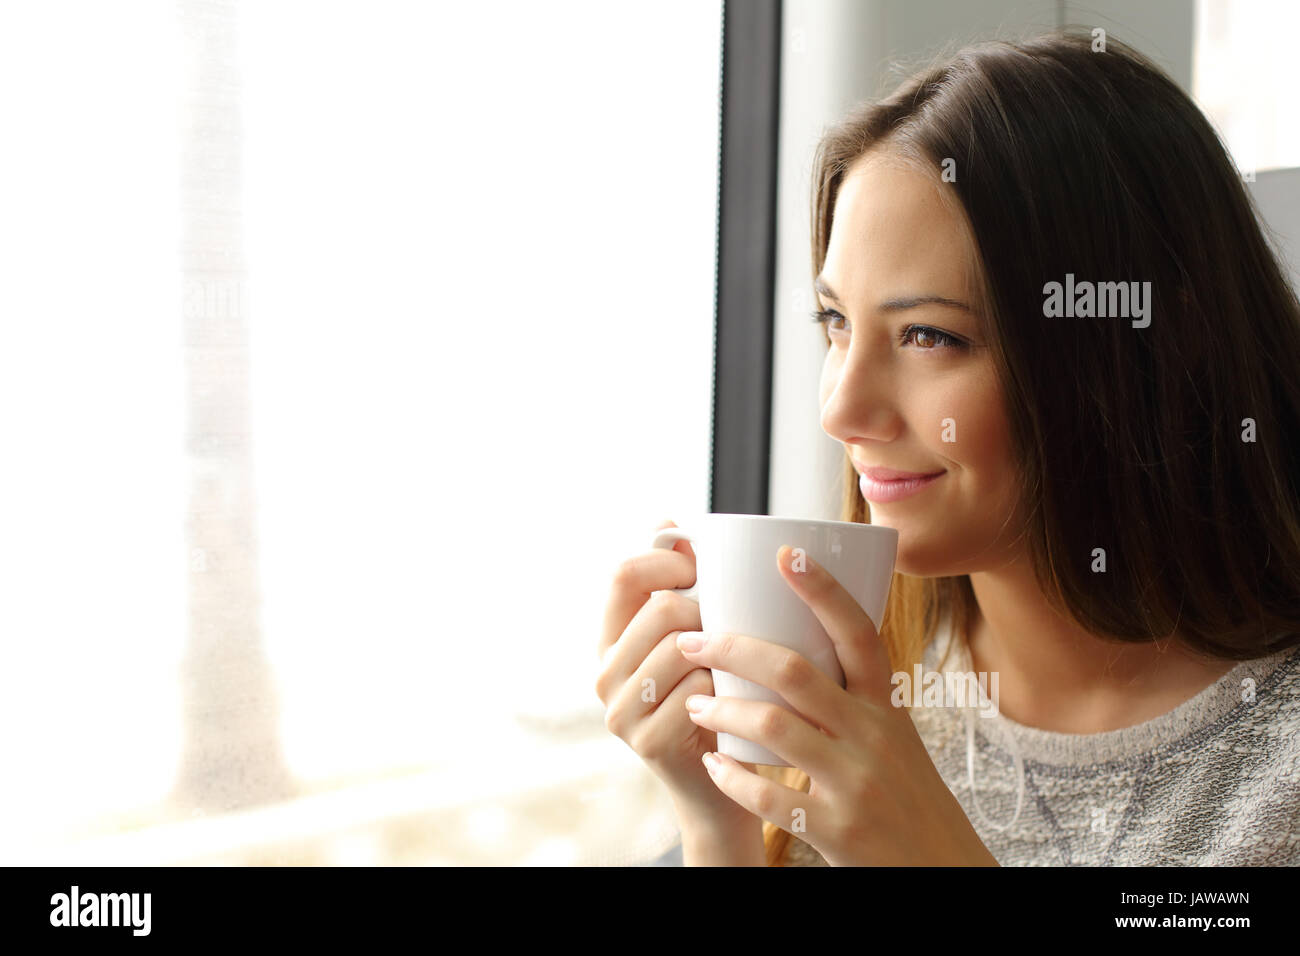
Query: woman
x,y
1048,300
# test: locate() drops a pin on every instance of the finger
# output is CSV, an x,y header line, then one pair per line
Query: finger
x,y
661,733
769,725
682,546
862,654
814,695
664,613
784,806
661,671
634,581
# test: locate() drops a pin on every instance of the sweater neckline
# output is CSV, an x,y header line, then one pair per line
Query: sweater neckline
x,y
1195,715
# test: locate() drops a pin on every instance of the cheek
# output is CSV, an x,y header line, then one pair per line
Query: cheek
x,y
966,524
964,421
982,451
830,373
950,419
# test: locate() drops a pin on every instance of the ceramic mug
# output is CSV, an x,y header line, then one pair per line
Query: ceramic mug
x,y
740,589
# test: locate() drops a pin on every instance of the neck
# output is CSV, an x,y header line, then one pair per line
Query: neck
x,y
1056,675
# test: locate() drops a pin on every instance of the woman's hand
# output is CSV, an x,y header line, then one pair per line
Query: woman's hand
x,y
644,681
876,798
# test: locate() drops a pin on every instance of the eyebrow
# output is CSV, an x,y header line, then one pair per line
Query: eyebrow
x,y
896,304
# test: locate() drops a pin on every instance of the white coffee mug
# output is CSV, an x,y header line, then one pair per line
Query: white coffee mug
x,y
740,589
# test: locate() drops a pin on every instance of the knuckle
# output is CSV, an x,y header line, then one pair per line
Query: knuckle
x,y
627,575
876,741
676,605
659,602
764,802
647,744
863,786
725,643
773,721
793,672
846,833
861,828
614,721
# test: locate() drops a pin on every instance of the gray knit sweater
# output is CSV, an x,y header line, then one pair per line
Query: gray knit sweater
x,y
1215,782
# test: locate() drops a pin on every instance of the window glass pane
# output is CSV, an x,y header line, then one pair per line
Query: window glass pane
x,y
469,258
481,260
92,494
1245,81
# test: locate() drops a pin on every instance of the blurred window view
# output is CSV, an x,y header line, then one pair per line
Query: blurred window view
x,y
1244,80
350,346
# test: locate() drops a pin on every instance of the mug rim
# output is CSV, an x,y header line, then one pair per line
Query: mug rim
x,y
818,521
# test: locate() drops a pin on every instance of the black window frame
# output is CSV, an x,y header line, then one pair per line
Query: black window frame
x,y
745,280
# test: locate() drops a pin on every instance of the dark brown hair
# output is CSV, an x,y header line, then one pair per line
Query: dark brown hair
x,y
1128,439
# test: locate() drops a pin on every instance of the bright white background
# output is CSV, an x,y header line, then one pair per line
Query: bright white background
x,y
481,256
1244,78
480,242
93,484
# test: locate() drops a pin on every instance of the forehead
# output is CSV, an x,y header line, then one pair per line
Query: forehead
x,y
895,231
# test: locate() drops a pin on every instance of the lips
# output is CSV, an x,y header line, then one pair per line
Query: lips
x,y
882,485
893,474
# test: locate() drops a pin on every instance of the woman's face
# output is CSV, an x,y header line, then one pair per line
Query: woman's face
x,y
909,384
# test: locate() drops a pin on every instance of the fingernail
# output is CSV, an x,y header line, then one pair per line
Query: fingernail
x,y
697,703
690,641
711,763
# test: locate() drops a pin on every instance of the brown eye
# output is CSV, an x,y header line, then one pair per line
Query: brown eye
x,y
928,339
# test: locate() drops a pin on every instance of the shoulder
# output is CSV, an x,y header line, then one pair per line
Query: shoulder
x,y
1266,720
1226,792
1260,801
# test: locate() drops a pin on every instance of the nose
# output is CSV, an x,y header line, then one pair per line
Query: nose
x,y
858,398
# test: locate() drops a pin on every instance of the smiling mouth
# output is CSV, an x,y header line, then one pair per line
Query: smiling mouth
x,y
882,491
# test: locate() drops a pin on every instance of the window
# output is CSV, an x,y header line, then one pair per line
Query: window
x,y
343,379
1243,80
